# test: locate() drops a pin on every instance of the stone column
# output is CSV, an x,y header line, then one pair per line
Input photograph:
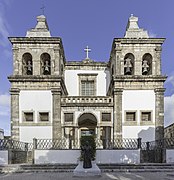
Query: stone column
x,y
98,132
159,113
15,113
117,123
56,125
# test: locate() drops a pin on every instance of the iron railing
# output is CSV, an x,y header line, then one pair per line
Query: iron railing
x,y
6,144
75,144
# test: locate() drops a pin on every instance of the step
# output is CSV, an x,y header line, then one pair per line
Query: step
x,y
19,168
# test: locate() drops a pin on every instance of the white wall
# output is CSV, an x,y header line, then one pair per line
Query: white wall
x,y
139,100
169,155
72,81
147,133
27,133
35,101
4,157
72,156
118,156
56,156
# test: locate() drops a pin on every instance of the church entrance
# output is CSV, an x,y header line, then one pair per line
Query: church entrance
x,y
87,123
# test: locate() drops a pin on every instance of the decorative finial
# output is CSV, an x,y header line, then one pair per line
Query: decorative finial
x,y
87,50
43,9
132,15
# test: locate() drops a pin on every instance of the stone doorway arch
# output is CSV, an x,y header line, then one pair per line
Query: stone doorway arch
x,y
87,123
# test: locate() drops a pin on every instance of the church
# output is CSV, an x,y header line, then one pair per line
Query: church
x,y
53,98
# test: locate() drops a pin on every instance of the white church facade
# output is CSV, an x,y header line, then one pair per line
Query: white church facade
x,y
52,98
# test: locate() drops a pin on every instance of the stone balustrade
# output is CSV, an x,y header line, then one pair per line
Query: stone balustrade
x,y
86,100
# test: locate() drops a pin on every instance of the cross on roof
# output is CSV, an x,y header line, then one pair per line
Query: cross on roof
x,y
43,9
87,50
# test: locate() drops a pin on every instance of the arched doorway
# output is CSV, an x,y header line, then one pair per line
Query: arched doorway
x,y
87,123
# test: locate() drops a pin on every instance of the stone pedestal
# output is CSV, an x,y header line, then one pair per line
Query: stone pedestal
x,y
81,172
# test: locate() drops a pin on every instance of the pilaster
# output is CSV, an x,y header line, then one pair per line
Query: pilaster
x,y
56,61
15,113
56,127
159,113
16,63
118,113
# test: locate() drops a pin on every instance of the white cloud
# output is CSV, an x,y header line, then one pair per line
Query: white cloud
x,y
170,79
4,100
168,110
152,35
4,27
5,113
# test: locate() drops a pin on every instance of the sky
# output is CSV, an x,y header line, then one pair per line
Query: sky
x,y
80,23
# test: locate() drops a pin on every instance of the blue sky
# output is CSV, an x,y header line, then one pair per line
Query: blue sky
x,y
79,23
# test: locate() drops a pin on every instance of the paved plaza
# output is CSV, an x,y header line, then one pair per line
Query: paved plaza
x,y
105,176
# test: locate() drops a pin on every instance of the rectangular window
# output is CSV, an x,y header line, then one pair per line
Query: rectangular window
x,y
68,117
44,116
106,116
146,116
87,88
130,116
28,116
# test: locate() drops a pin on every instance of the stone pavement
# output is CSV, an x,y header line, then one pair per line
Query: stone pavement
x,y
105,176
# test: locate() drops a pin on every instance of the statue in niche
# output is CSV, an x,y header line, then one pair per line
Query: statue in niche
x,y
145,67
128,66
29,67
86,153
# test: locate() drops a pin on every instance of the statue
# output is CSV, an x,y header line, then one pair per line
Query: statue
x,y
86,153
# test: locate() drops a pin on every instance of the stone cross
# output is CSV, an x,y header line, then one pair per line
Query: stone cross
x,y
43,9
87,50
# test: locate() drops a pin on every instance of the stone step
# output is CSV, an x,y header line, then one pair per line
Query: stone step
x,y
19,168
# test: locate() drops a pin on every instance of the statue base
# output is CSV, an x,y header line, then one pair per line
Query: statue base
x,y
81,172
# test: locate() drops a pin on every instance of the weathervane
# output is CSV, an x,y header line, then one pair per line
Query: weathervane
x,y
87,50
43,9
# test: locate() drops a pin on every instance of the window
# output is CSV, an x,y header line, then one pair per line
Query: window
x,y
28,116
87,84
44,116
106,116
130,116
146,116
87,88
68,117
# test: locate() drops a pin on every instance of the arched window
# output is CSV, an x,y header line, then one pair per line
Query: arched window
x,y
147,64
129,64
27,64
45,64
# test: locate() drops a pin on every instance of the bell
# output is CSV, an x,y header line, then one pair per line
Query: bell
x,y
29,68
145,70
145,66
128,71
46,68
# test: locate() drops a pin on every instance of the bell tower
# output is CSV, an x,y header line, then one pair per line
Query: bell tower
x,y
38,61
135,64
